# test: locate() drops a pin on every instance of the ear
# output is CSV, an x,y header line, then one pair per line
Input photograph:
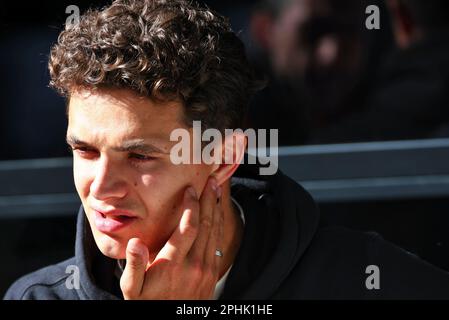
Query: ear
x,y
232,152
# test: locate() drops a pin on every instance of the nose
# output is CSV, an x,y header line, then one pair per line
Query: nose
x,y
109,181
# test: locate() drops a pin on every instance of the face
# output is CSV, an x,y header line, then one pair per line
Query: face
x,y
122,169
307,39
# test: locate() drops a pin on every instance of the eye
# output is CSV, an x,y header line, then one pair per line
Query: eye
x,y
84,152
140,157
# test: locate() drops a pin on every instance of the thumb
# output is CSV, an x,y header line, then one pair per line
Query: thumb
x,y
133,276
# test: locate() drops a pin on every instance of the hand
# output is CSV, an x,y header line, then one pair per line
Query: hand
x,y
186,267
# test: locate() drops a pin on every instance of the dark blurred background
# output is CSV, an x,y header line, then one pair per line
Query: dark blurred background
x,y
331,80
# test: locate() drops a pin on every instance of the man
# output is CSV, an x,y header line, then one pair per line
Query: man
x,y
409,97
151,229
320,63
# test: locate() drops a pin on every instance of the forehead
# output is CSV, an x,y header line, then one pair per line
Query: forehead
x,y
119,113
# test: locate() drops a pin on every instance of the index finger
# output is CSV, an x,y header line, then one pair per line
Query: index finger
x,y
207,203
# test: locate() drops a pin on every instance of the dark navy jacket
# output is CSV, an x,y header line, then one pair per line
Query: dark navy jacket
x,y
284,254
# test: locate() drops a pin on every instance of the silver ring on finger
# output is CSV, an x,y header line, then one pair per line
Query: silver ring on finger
x,y
218,253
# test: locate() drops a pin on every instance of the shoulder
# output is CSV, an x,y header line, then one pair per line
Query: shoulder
x,y
47,283
369,248
340,262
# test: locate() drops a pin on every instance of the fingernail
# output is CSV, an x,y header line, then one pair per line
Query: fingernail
x,y
218,191
192,192
213,184
136,248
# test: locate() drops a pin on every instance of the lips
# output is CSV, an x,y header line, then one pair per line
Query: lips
x,y
112,221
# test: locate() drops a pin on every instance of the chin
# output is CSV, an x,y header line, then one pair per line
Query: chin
x,y
110,247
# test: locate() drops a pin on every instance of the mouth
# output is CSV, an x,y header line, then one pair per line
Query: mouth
x,y
111,222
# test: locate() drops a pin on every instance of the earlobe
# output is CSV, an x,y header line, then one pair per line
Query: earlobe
x,y
232,153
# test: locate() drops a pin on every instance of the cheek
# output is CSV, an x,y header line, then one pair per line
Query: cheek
x,y
82,175
193,175
164,189
172,178
158,190
150,189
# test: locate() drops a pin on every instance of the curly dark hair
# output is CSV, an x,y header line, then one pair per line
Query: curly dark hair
x,y
163,49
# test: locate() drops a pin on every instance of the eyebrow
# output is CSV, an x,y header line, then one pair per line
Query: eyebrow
x,y
136,145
